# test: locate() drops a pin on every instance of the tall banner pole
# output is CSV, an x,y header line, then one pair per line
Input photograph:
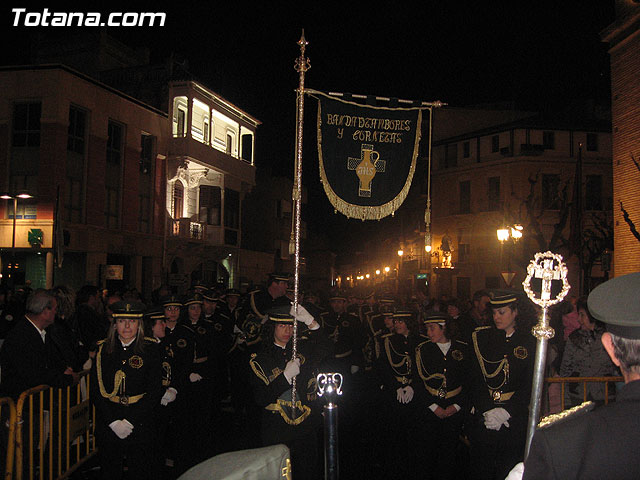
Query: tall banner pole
x,y
545,267
301,66
427,211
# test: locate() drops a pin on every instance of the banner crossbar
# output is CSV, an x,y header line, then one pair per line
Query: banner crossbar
x,y
436,104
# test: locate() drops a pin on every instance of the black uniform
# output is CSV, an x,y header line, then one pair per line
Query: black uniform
x,y
440,380
396,367
501,377
126,384
593,445
178,347
272,393
344,331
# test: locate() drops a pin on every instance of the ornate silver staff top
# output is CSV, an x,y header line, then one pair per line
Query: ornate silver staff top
x,y
547,266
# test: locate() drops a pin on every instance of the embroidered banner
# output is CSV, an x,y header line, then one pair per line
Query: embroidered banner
x,y
367,155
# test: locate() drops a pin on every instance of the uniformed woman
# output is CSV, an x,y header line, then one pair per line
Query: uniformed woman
x,y
179,345
501,386
441,394
396,367
273,371
126,386
199,389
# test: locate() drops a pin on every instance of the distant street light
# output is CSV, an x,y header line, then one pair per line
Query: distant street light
x,y
400,252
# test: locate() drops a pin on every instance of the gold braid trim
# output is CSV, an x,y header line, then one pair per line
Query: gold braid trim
x,y
405,358
117,381
421,367
284,406
257,369
551,419
503,365
367,212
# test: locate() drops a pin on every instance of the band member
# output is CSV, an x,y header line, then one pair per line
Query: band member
x,y
396,369
126,386
441,390
179,344
274,369
501,376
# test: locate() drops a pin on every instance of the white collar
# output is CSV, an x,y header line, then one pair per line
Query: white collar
x,y
41,332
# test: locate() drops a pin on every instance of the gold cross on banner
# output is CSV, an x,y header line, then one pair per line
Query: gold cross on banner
x,y
366,168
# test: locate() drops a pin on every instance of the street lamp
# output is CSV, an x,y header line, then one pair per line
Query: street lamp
x,y
512,231
504,233
14,197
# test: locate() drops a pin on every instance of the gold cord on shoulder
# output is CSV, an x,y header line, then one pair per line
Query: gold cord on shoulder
x,y
118,380
503,365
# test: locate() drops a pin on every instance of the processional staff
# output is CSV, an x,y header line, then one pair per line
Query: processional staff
x,y
301,66
547,267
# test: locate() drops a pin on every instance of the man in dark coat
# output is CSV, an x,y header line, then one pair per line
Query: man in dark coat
x,y
28,357
600,443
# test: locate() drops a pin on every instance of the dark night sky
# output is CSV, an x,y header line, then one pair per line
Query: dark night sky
x,y
541,55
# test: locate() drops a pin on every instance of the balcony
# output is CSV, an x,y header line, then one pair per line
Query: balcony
x,y
188,229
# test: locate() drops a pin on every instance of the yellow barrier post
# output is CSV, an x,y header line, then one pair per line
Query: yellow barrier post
x,y
11,421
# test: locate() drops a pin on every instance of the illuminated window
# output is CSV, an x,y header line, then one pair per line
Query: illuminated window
x,y
179,121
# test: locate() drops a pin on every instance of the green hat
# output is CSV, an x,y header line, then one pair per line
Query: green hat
x,y
615,302
124,309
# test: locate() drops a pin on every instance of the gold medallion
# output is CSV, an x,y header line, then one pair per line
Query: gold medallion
x,y
124,400
457,355
497,394
520,352
218,327
136,361
182,343
442,392
202,330
346,324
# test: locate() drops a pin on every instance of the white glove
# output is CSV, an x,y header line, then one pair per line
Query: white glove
x,y
408,393
121,428
495,418
516,472
169,396
292,369
303,315
354,369
195,377
87,365
400,395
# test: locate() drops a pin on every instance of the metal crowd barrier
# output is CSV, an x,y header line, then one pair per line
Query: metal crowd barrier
x,y
6,402
563,381
53,431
